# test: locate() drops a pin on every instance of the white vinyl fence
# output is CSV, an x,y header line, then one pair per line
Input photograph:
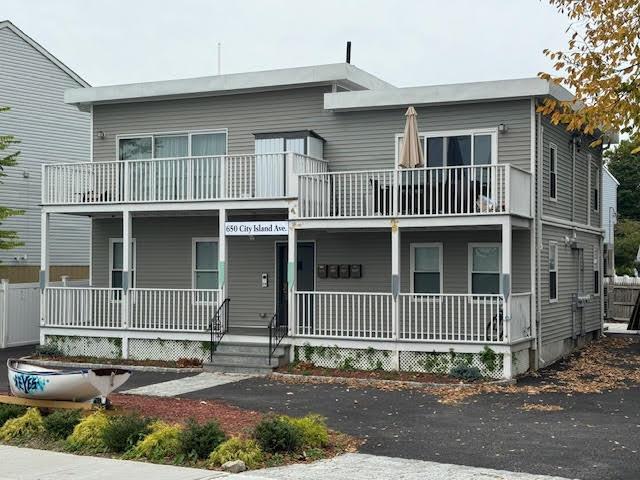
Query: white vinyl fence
x,y
20,313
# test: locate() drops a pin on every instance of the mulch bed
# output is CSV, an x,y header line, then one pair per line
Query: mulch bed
x,y
309,369
233,420
181,363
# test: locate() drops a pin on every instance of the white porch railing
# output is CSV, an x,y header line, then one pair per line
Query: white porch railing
x,y
343,315
226,177
463,190
172,309
82,307
451,317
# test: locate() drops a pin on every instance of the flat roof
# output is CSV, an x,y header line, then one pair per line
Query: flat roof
x,y
343,74
445,94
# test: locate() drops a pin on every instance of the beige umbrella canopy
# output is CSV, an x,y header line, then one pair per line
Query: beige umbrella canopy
x,y
411,155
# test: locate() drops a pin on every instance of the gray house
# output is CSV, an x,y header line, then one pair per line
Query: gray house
x,y
32,84
239,211
609,218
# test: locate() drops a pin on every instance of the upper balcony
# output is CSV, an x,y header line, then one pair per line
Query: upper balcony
x,y
186,179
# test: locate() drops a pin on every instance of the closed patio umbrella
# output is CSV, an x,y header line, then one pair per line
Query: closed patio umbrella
x,y
411,154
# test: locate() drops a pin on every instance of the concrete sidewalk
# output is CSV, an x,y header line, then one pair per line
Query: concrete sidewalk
x,y
28,464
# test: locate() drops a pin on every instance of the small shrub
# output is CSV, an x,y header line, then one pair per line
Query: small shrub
x,y
163,441
465,372
8,411
237,449
312,429
489,358
200,440
87,435
48,350
20,428
124,431
60,424
276,434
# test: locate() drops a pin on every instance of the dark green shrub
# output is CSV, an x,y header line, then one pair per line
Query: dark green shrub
x,y
200,440
48,350
60,424
276,434
124,431
8,411
464,372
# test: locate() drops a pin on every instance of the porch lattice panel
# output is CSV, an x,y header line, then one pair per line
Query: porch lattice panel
x,y
99,347
351,358
168,350
443,362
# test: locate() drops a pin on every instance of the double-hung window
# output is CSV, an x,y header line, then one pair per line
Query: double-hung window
x,y
116,263
553,172
553,271
485,263
205,263
596,270
595,190
426,268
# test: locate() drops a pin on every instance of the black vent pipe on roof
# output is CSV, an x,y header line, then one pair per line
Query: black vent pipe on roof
x,y
348,52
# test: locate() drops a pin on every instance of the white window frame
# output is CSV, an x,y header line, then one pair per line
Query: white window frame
x,y
553,246
470,271
195,240
597,284
553,160
133,261
493,132
188,133
413,247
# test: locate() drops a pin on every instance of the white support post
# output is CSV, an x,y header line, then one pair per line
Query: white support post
x,y
4,324
395,288
222,253
506,274
292,253
44,262
292,176
126,265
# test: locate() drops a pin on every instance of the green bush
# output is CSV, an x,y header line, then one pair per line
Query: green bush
x,y
200,440
162,442
48,350
8,411
20,428
276,434
124,431
312,429
464,372
60,424
87,435
237,449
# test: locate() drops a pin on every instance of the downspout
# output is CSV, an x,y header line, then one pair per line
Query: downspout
x,y
538,218
573,180
533,330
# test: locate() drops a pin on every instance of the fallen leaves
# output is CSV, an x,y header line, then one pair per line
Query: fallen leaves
x,y
540,407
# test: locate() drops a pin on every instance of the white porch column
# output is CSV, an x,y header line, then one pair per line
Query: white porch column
x,y
291,175
44,266
126,265
395,287
506,273
222,253
292,253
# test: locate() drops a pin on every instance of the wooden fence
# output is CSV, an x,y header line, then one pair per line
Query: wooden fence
x,y
620,297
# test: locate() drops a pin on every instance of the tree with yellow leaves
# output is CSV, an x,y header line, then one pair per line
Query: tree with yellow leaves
x,y
601,66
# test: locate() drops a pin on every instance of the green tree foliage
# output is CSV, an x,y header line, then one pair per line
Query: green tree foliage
x,y
8,239
625,166
627,242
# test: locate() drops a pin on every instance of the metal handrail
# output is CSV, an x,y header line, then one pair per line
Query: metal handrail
x,y
276,334
218,326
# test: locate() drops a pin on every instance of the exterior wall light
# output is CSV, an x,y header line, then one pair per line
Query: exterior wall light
x,y
502,128
101,135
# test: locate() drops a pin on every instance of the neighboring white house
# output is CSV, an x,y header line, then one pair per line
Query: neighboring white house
x,y
32,84
609,217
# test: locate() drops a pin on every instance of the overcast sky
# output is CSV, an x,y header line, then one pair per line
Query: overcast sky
x,y
405,42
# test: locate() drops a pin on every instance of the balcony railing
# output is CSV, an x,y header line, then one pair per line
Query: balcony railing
x,y
228,177
464,190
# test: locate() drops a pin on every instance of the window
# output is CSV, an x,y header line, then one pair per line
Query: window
x,y
457,148
553,175
596,271
116,263
426,267
205,263
595,192
553,272
485,263
174,145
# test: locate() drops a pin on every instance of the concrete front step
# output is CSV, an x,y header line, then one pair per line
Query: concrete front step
x,y
250,348
239,357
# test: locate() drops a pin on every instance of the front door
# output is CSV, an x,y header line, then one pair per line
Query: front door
x,y
305,275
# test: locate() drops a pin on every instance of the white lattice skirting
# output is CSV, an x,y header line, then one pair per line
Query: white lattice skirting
x,y
490,365
100,347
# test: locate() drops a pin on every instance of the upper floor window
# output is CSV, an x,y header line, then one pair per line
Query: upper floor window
x,y
457,148
172,145
484,268
553,175
426,267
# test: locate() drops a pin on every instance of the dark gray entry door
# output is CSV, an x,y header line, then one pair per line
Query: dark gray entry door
x,y
305,275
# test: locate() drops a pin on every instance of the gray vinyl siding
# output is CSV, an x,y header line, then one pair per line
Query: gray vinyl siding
x,y
556,317
561,208
49,131
354,140
164,259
